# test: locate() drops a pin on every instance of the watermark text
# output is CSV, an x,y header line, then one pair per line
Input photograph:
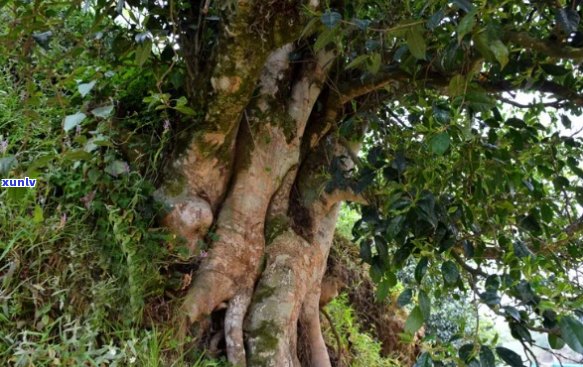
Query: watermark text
x,y
18,182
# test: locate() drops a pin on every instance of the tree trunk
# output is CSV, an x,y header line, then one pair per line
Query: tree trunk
x,y
256,175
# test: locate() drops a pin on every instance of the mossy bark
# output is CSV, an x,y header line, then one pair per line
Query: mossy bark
x,y
249,173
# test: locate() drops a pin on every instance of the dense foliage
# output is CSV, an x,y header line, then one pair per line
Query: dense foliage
x,y
470,192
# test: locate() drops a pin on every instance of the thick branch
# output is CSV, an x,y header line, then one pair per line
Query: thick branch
x,y
439,81
554,104
545,86
524,40
353,90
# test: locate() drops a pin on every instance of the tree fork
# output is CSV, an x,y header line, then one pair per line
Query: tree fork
x,y
268,151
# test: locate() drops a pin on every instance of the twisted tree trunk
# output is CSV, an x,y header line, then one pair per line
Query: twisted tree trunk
x,y
257,171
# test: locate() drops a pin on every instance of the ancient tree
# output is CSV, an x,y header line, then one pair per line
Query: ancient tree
x,y
451,125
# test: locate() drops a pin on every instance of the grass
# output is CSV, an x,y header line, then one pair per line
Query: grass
x,y
79,254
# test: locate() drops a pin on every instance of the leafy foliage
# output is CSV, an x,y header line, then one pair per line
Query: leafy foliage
x,y
81,259
478,191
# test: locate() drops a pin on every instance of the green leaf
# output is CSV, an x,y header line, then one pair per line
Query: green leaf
x,y
330,18
383,289
119,6
465,5
520,332
466,352
487,358
466,25
43,39
85,88
553,69
439,143
117,168
566,121
185,110
310,28
103,111
424,360
366,252
77,155
572,332
457,85
450,272
324,39
424,304
357,61
405,297
38,216
391,279
480,101
528,223
567,19
490,298
482,42
421,268
395,226
71,121
469,249
500,52
143,51
374,63
510,357
520,249
6,164
435,19
525,292
414,321
416,42
441,115
556,342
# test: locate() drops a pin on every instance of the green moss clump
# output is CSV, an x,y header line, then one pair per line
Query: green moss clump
x,y
276,226
267,340
289,128
176,186
262,293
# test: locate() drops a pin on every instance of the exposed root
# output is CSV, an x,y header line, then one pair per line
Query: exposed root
x,y
311,321
234,328
214,343
205,295
339,347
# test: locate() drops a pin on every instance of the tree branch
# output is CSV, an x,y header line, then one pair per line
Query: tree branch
x,y
564,94
560,91
554,104
523,39
353,89
466,267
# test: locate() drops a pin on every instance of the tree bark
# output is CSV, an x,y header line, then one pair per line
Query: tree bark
x,y
253,175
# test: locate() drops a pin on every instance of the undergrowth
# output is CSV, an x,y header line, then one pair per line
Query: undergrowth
x,y
80,255
364,350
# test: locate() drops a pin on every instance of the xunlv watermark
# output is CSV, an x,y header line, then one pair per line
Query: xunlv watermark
x,y
18,182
